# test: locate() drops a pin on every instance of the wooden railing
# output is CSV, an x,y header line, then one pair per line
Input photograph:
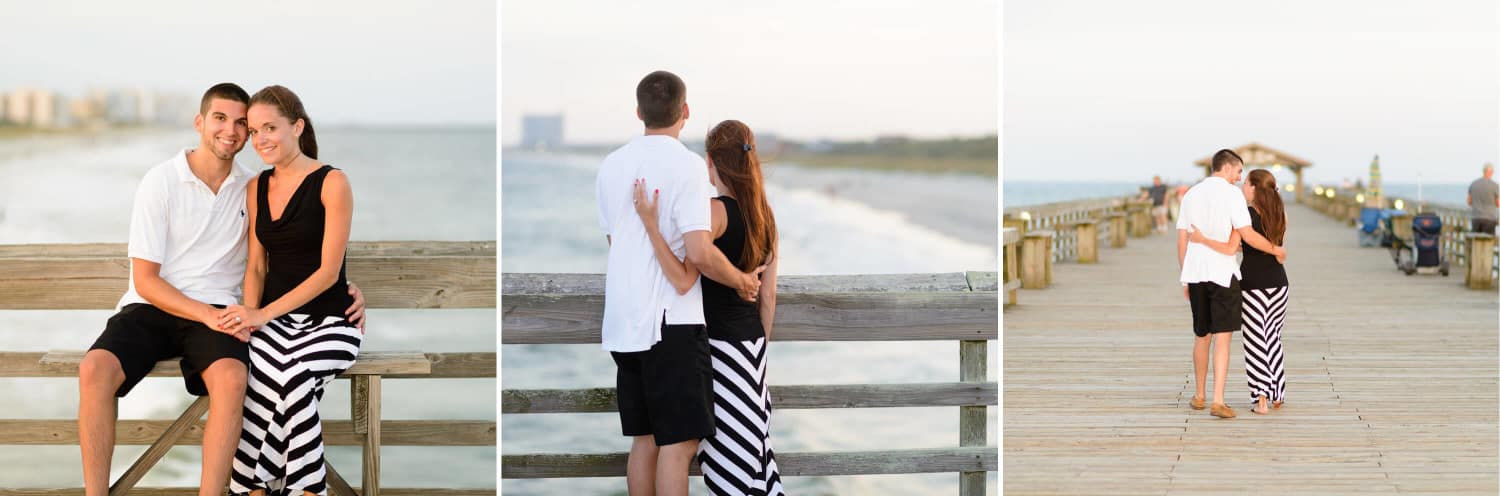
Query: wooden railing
x,y
568,309
405,275
1056,232
1010,264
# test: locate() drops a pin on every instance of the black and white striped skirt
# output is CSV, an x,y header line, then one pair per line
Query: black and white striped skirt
x,y
1264,311
738,460
292,359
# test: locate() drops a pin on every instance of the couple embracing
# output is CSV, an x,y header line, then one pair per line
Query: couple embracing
x,y
690,352
205,232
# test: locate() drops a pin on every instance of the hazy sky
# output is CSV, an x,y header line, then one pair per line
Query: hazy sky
x,y
351,61
805,70
1112,90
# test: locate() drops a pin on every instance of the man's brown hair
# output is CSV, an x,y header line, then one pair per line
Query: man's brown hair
x,y
226,91
659,97
1226,157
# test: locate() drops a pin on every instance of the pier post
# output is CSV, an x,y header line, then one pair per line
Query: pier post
x,y
1036,260
1116,230
1088,241
1011,274
1481,249
1140,218
971,419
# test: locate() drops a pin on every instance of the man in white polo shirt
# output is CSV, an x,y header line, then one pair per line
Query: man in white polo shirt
x,y
657,337
187,261
1211,279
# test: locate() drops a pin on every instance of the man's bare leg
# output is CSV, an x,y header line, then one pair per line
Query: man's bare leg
x,y
99,376
1200,364
640,469
672,468
225,381
1221,364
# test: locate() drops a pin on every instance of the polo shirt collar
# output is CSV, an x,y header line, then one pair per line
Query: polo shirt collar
x,y
1222,180
185,172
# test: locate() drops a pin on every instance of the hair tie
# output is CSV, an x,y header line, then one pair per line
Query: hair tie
x,y
746,147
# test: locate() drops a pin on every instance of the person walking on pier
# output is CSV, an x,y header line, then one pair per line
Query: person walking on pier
x,y
1158,195
1263,291
1484,202
1211,280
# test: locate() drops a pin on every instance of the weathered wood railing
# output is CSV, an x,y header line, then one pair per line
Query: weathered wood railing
x,y
403,275
1345,205
1072,230
568,309
1010,264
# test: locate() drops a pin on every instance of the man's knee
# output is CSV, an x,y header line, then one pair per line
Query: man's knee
x,y
227,376
100,369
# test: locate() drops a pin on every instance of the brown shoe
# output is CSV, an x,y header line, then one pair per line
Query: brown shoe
x,y
1222,411
1196,403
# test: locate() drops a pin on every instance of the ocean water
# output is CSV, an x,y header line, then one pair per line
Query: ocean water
x,y
1027,193
830,222
409,184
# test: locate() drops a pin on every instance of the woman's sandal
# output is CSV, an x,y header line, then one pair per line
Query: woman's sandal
x,y
1276,405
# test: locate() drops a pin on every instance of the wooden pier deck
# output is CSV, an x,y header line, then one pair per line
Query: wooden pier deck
x,y
1391,381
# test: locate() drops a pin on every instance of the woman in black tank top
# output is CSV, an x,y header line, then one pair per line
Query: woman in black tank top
x,y
744,229
296,294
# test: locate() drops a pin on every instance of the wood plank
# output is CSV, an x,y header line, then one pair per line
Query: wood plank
x,y
983,281
159,448
1388,378
370,481
64,363
972,420
909,461
575,319
335,432
442,366
515,284
92,283
790,397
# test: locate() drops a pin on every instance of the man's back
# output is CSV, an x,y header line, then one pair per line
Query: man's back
x,y
638,295
1216,208
1482,194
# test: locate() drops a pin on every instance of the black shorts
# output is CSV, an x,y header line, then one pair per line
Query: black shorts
x,y
1215,308
667,391
141,335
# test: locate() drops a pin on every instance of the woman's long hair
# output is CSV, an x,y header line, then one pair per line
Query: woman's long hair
x,y
731,146
290,107
1267,203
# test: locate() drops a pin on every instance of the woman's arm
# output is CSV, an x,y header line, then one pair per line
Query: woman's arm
x,y
768,293
338,205
682,274
1228,248
255,266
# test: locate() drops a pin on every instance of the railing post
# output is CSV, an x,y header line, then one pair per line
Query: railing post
x,y
1140,218
1088,242
1480,273
1011,276
971,419
1116,230
1036,259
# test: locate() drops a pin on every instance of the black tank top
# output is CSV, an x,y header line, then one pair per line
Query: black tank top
x,y
294,245
730,318
1258,269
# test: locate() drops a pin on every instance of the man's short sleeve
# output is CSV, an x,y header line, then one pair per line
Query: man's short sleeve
x,y
599,203
1239,215
1182,216
690,203
149,219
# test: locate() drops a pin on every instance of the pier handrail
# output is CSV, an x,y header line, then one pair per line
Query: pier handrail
x,y
394,274
1345,205
568,309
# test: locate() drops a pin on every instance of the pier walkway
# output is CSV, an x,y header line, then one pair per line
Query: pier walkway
x,y
1391,380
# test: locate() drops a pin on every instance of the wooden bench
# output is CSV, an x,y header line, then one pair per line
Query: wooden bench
x,y
399,275
364,391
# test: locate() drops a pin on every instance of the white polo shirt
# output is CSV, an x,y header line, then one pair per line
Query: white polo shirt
x,y
197,236
1216,207
637,295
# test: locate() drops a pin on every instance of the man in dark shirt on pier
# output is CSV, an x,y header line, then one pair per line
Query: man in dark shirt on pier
x,y
1158,195
1484,202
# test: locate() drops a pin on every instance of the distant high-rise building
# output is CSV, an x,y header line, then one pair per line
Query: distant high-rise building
x,y
123,107
43,109
540,132
18,107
